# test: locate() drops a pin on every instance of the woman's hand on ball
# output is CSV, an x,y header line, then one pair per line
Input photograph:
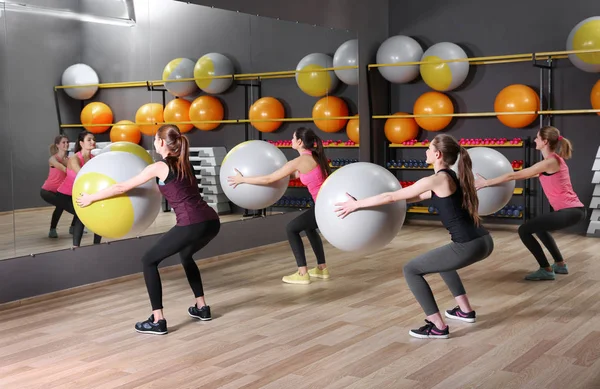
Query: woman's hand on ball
x,y
84,200
346,207
480,182
235,180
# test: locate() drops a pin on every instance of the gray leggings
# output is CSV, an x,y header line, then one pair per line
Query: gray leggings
x,y
444,260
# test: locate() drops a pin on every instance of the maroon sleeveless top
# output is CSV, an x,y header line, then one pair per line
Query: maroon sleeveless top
x,y
184,197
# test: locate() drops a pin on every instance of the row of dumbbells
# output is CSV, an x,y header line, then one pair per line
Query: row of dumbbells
x,y
408,163
295,202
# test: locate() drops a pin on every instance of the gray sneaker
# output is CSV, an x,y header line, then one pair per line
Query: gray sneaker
x,y
540,275
560,269
52,233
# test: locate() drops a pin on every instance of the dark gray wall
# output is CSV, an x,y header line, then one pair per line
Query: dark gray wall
x,y
511,27
6,198
38,50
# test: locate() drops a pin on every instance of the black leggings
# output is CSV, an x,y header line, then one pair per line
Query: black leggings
x,y
541,226
185,240
51,198
66,203
305,222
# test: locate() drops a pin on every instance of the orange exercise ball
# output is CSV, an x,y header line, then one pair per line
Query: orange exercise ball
x,y
433,103
352,130
398,130
517,98
96,113
147,115
330,106
595,96
125,131
206,108
178,110
266,108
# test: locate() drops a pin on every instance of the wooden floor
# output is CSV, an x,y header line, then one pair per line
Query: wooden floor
x,y
349,332
26,232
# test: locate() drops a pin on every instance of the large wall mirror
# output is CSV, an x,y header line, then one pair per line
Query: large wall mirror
x,y
132,47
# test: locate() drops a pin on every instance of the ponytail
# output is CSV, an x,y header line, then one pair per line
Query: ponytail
x,y
54,146
467,184
319,156
184,170
565,148
53,149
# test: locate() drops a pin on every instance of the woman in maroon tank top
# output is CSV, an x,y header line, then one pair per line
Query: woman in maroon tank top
x,y
197,223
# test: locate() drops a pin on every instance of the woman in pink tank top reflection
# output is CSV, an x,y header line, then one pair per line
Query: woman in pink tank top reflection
x,y
312,168
86,142
57,171
555,180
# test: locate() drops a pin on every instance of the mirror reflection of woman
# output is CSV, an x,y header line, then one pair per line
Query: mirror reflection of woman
x,y
57,172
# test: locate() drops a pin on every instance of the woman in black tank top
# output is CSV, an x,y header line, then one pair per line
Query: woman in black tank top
x,y
456,199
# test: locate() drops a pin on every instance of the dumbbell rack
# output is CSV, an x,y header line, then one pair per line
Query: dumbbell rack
x,y
206,162
594,226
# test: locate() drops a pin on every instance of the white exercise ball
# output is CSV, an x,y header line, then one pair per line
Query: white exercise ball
x,y
253,158
347,55
490,163
80,74
395,49
365,230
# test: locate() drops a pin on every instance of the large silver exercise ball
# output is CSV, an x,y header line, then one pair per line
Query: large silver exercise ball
x,y
312,79
490,163
585,36
177,69
253,158
347,55
211,65
365,230
395,49
444,76
80,74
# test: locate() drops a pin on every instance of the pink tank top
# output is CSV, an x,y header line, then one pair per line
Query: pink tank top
x,y
55,177
313,179
67,185
558,188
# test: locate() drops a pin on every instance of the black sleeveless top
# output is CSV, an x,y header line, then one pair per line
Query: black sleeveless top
x,y
455,218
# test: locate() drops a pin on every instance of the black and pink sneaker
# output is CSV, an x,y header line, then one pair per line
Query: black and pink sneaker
x,y
457,314
430,331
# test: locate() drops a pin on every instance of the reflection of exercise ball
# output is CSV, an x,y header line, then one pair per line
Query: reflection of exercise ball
x,y
347,55
517,98
178,110
147,115
206,108
352,130
365,230
126,131
266,108
595,96
128,147
433,103
327,107
96,113
395,49
210,65
175,70
125,215
448,75
312,81
398,130
585,36
253,158
490,163
80,74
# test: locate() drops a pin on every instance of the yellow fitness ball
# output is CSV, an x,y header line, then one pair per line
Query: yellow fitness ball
x,y
211,65
585,36
312,79
125,215
129,147
444,76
